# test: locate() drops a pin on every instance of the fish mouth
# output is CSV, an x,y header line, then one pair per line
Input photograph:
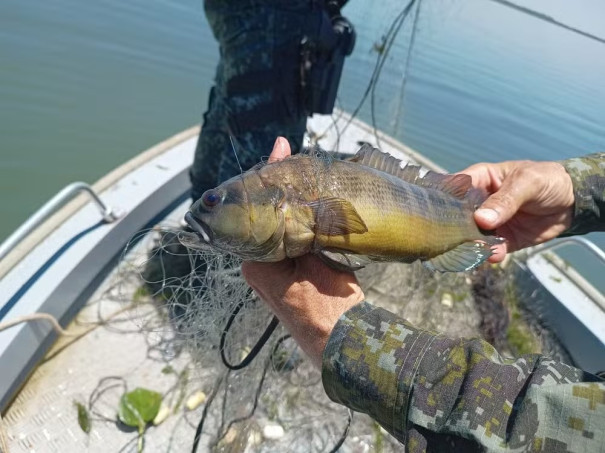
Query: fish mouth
x,y
197,227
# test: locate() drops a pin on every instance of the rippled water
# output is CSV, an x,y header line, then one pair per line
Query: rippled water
x,y
84,86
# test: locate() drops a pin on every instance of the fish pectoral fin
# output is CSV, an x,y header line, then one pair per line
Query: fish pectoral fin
x,y
462,258
336,217
344,261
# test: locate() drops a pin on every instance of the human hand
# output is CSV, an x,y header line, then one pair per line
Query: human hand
x,y
529,203
307,296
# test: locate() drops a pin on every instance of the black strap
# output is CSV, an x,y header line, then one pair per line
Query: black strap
x,y
255,349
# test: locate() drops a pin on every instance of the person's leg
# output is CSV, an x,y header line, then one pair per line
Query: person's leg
x,y
256,93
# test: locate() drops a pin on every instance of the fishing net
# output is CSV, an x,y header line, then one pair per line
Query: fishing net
x,y
260,391
274,403
277,402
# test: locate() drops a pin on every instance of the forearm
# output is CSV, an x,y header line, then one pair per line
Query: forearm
x,y
588,179
413,381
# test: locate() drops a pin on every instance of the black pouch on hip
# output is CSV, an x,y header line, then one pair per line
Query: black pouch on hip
x,y
323,52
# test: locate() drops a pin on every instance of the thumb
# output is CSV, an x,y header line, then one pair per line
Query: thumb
x,y
501,206
281,150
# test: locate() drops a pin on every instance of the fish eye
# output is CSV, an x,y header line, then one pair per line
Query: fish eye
x,y
211,198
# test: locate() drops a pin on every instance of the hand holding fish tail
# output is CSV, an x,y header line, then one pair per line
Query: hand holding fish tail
x,y
529,202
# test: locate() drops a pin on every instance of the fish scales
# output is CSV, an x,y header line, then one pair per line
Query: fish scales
x,y
401,218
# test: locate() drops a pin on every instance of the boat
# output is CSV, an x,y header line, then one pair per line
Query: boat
x,y
65,261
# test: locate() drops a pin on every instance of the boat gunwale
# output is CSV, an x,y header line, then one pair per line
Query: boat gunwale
x,y
63,300
38,235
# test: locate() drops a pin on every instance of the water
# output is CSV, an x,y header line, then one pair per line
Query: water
x,y
85,86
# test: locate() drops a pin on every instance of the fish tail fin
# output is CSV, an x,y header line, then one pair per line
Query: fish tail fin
x,y
466,256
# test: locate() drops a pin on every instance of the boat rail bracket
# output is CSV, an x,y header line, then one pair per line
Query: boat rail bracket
x,y
50,207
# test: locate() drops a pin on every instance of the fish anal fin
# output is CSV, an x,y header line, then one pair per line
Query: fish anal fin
x,y
336,217
462,258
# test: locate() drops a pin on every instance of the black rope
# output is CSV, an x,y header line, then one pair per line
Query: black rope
x,y
276,347
255,349
551,20
344,434
245,362
200,425
254,405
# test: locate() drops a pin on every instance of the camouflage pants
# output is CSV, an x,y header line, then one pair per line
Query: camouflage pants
x,y
256,93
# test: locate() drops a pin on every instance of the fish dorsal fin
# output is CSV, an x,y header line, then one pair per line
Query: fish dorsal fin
x,y
375,158
455,185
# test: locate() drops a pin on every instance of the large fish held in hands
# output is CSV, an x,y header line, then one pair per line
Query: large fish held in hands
x,y
348,212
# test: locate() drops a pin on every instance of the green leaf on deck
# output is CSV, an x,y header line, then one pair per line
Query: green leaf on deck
x,y
168,369
139,407
83,417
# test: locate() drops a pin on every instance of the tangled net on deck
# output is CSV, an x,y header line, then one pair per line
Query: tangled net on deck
x,y
207,311
197,294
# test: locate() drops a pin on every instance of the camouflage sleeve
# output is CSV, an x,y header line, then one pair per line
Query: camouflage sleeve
x,y
435,393
588,177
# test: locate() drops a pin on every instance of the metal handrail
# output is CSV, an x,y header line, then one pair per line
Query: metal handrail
x,y
49,208
574,276
556,243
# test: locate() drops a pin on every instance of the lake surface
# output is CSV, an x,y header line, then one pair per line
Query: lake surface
x,y
84,86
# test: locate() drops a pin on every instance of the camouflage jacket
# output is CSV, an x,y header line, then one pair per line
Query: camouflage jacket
x,y
435,393
588,176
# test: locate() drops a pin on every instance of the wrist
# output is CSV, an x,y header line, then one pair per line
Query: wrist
x,y
312,327
588,189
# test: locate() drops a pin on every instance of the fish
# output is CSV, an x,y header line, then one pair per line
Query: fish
x,y
350,213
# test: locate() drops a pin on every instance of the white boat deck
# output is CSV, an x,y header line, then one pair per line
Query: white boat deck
x,y
132,345
43,417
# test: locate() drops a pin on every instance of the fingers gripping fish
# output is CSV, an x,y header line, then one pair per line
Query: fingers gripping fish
x,y
349,212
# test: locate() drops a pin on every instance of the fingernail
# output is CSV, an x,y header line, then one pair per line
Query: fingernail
x,y
282,143
280,146
489,215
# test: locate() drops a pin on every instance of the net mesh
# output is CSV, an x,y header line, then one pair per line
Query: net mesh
x,y
196,292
